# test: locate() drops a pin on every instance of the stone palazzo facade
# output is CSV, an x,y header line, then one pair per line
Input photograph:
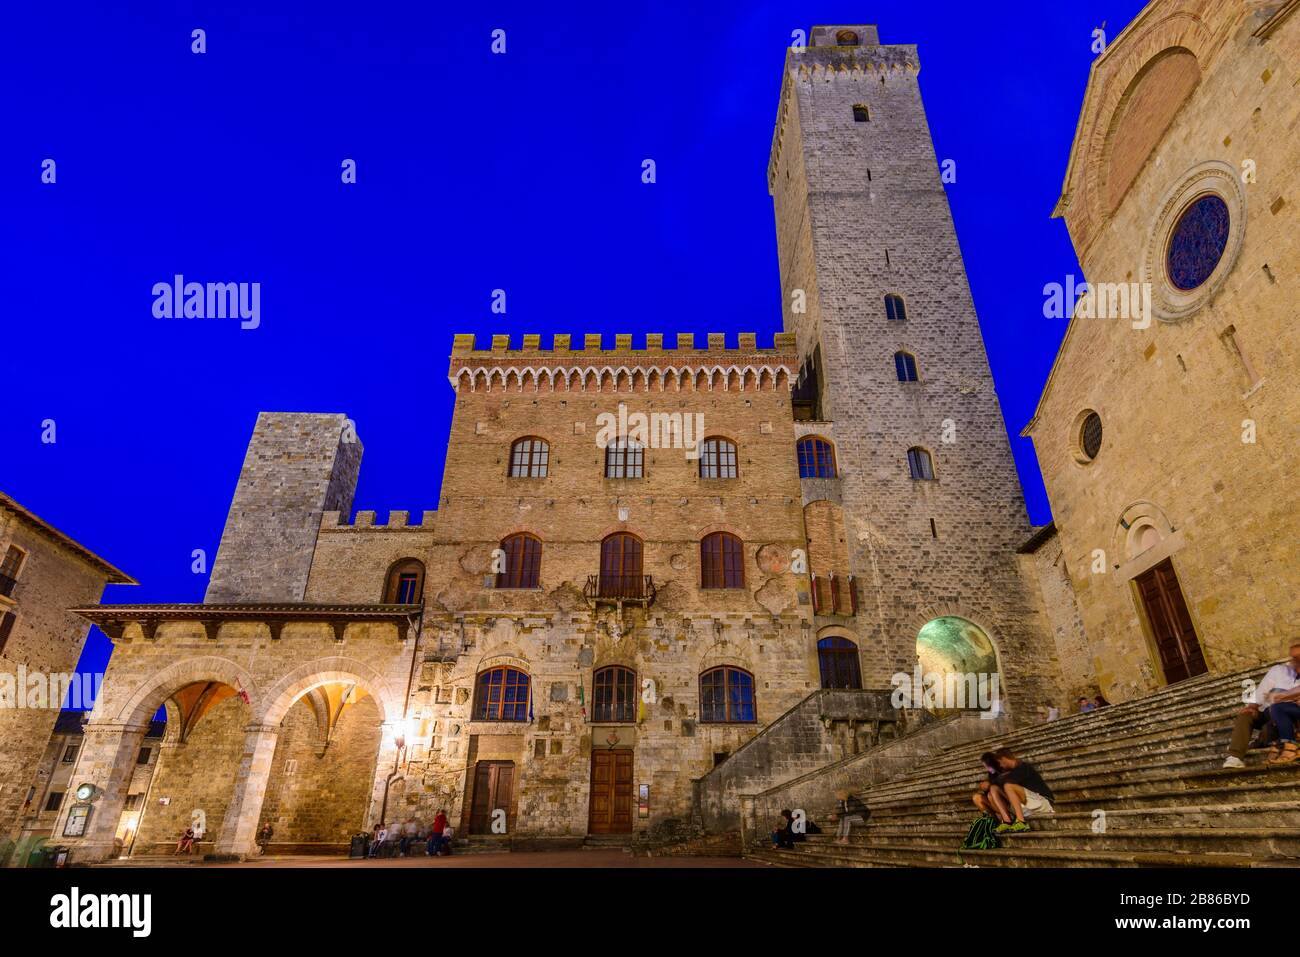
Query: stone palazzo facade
x,y
640,557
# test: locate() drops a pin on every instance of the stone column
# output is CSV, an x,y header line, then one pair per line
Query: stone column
x,y
107,760
384,764
239,827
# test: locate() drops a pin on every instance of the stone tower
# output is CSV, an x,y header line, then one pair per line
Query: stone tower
x,y
298,466
862,215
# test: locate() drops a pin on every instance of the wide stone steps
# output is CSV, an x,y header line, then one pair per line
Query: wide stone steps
x,y
1153,766
938,855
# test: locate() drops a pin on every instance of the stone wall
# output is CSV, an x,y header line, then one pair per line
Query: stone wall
x,y
814,792
1199,406
861,213
825,727
297,467
194,775
323,797
1044,563
46,640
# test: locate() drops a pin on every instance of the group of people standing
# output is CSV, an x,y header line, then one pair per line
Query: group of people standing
x,y
400,839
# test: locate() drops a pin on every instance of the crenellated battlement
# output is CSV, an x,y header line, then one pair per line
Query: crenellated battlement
x,y
398,521
593,368
831,63
593,342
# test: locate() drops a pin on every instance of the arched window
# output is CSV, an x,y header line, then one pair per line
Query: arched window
x,y
726,695
614,695
501,694
523,562
717,458
905,366
620,566
624,458
861,114
895,311
846,38
816,457
918,462
838,659
529,457
722,561
405,582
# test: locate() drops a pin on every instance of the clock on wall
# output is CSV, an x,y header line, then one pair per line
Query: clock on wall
x,y
87,792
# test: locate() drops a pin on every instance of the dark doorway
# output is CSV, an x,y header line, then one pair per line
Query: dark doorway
x,y
493,790
1171,625
611,792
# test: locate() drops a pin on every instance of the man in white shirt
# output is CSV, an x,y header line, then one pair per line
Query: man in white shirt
x,y
1277,699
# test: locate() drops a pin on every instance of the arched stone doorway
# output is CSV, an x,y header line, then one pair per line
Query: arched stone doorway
x,y
319,789
954,644
199,759
964,656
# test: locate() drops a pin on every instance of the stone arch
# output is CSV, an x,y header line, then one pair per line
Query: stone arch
x,y
1142,514
957,640
1142,116
282,695
1111,84
151,694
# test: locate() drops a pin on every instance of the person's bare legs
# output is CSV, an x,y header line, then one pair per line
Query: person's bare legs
x,y
1015,796
999,800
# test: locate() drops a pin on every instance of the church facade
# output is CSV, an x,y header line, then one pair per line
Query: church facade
x,y
1167,434
640,557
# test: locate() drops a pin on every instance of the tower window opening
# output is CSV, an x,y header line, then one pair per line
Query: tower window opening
x,y
895,311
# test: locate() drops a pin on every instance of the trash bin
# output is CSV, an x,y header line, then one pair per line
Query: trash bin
x,y
360,845
53,856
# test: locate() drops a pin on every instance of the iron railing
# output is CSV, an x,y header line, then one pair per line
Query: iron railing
x,y
616,587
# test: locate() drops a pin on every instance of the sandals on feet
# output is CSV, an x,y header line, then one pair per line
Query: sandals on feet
x,y
1288,753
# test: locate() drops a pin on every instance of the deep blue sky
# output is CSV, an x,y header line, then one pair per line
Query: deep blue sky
x,y
475,171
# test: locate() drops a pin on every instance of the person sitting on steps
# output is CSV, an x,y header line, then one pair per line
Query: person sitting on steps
x,y
984,797
783,833
1276,700
1022,788
849,810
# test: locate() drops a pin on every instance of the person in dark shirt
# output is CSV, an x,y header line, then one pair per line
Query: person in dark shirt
x,y
989,798
1023,788
783,834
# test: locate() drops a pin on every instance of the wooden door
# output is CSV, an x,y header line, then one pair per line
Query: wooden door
x,y
611,792
1171,625
493,790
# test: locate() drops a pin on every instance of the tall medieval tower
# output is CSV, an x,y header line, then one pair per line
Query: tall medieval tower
x,y
895,375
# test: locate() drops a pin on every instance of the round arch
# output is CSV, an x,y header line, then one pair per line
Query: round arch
x,y
281,696
149,696
953,643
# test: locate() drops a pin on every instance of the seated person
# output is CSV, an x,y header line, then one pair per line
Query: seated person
x,y
1276,697
849,810
1021,790
783,835
988,798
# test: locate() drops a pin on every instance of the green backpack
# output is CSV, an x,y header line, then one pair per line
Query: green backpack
x,y
982,836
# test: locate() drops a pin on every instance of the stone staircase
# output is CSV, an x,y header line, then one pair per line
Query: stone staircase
x,y
1136,784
